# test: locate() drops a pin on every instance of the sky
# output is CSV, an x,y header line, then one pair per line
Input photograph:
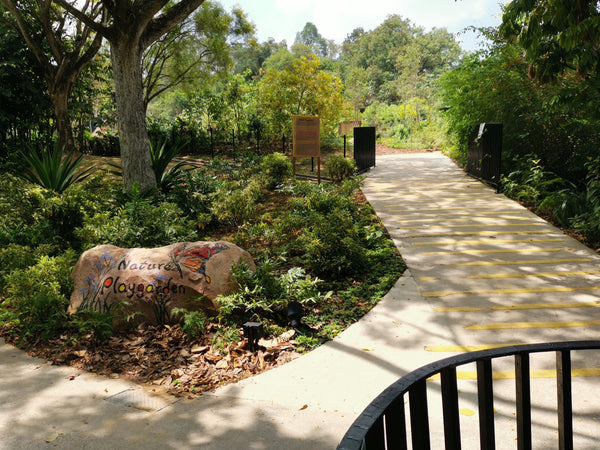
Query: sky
x,y
335,19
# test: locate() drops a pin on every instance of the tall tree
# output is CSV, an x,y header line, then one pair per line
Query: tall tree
x,y
301,88
61,45
557,36
195,49
132,28
311,37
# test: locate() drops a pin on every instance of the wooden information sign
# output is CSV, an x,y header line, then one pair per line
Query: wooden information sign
x,y
307,143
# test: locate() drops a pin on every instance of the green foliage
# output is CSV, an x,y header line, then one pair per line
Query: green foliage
x,y
235,202
339,168
311,37
193,322
276,167
138,223
34,216
162,157
18,257
100,325
225,336
25,107
301,88
194,194
557,36
333,251
329,251
54,170
393,62
262,294
49,276
550,121
531,184
43,315
37,296
586,205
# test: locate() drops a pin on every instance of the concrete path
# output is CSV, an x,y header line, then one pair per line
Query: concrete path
x,y
482,271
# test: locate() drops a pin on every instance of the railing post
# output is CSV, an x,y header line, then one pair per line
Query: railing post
x,y
395,425
375,437
450,408
485,396
523,391
419,416
565,400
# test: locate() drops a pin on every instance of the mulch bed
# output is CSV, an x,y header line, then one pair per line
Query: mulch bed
x,y
164,358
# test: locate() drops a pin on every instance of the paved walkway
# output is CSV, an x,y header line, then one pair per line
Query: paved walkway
x,y
482,271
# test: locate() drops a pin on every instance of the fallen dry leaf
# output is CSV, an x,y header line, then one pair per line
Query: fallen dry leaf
x,y
52,437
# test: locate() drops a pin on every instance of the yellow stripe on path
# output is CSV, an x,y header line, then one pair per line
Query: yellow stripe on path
x,y
520,307
477,252
510,374
511,291
527,325
487,241
536,274
473,233
512,263
458,219
465,348
471,225
493,208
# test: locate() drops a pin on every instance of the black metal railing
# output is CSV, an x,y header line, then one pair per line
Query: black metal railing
x,y
484,153
382,425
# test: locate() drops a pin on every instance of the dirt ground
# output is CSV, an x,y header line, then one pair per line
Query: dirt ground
x,y
381,149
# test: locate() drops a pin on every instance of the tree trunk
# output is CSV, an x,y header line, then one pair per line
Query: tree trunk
x,y
136,162
59,94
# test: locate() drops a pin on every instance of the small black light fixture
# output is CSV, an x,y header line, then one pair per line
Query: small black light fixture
x,y
253,331
295,313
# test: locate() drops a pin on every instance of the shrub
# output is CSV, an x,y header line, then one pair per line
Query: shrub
x,y
48,276
333,251
138,223
19,257
193,195
31,215
262,293
340,168
54,170
234,203
37,296
532,183
276,167
43,315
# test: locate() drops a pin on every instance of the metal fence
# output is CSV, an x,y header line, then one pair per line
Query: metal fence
x,y
382,425
484,153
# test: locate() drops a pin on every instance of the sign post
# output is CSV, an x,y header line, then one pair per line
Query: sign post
x,y
306,141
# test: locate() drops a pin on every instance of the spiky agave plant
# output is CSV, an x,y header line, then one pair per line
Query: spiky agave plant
x,y
54,170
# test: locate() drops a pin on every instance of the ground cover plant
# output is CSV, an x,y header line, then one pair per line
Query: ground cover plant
x,y
334,274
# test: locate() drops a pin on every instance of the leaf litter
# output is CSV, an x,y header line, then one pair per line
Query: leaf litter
x,y
165,359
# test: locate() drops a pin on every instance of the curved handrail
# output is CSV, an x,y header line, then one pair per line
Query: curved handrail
x,y
369,422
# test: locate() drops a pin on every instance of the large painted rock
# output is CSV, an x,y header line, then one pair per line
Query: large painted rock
x,y
151,282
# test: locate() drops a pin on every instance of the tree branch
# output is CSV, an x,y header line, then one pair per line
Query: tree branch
x,y
101,28
168,20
